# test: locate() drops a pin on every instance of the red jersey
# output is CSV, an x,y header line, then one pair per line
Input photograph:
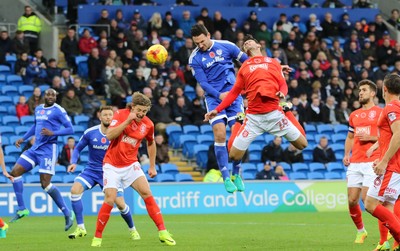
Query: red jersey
x,y
364,121
389,115
260,78
123,150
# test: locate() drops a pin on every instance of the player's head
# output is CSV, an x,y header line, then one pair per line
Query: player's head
x,y
367,91
250,44
50,96
106,115
391,85
141,105
201,37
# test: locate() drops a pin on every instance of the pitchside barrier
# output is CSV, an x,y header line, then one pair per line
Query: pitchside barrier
x,y
198,198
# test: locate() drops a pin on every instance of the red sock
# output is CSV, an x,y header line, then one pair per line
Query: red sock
x,y
1,223
383,231
235,130
154,212
102,219
356,216
294,121
389,220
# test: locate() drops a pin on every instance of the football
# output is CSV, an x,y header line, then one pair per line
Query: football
x,y
157,54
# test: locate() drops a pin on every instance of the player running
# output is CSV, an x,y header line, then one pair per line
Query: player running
x,y
262,81
49,119
95,139
212,66
122,169
363,132
385,189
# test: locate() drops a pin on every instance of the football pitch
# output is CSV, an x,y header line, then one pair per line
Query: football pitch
x,y
274,231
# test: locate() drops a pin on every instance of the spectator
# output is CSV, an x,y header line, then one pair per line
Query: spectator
x,y
70,48
96,66
292,155
369,52
31,25
362,4
332,4
394,19
323,153
257,3
198,112
333,89
52,70
67,81
182,111
91,103
186,23
144,2
280,173
39,56
128,61
110,68
86,42
177,41
382,71
231,31
22,107
20,43
161,114
119,88
300,4
207,21
71,103
162,155
267,173
263,33
35,74
330,27
169,25
298,26
386,35
328,111
5,43
343,113
380,26
273,151
220,23
185,2
35,100
184,52
77,86
155,23
139,21
65,157
385,53
103,22
286,24
345,25
56,85
104,49
313,111
21,65
122,23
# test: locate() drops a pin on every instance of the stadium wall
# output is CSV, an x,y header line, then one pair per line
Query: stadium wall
x,y
198,198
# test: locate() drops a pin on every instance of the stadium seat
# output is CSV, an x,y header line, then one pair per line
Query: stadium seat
x,y
25,90
300,167
318,136
310,129
3,111
60,169
84,160
10,120
259,140
310,138
309,149
185,138
83,69
12,150
9,160
79,129
5,70
285,166
334,167
11,110
57,178
21,130
14,80
169,168
79,169
205,139
3,180
81,120
69,178
150,179
6,101
191,129
340,129
5,141
308,157
7,131
187,146
190,92
297,176
146,167
173,132
9,90
32,179
181,177
315,176
333,176
206,129
325,129
248,176
337,148
248,168
43,88
254,158
165,177
27,120
11,59
201,153
317,167
3,80
268,138
260,166
339,138
256,150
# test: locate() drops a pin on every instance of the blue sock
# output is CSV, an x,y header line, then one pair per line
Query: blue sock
x,y
58,199
18,186
222,159
236,167
127,216
77,207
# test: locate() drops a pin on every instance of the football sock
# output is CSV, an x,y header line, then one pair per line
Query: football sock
x,y
127,216
236,167
356,216
102,219
294,121
389,220
18,186
222,159
77,206
1,223
383,232
58,199
154,212
235,129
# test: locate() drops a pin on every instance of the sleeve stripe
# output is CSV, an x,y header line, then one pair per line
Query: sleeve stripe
x,y
239,56
351,129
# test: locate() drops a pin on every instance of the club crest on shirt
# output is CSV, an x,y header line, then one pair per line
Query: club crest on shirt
x,y
48,112
372,114
211,54
392,116
219,52
143,129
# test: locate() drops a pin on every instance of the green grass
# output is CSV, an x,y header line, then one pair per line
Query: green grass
x,y
276,231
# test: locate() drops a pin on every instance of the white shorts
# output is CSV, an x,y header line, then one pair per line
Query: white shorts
x,y
386,188
115,177
360,174
274,122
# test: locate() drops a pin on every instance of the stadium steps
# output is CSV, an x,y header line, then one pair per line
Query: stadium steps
x,y
184,167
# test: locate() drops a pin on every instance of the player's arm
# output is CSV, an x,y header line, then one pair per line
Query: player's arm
x,y
3,165
280,78
152,151
372,149
118,125
26,136
348,145
83,142
68,129
394,146
237,54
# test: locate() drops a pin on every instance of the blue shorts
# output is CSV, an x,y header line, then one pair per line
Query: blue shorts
x,y
46,157
228,115
90,178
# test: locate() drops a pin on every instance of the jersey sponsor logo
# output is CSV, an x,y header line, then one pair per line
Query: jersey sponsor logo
x,y
372,114
363,130
216,59
392,116
100,147
258,66
390,190
103,140
129,140
114,122
42,117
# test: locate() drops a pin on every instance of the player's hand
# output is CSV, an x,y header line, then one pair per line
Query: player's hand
x,y
71,168
346,160
363,137
379,167
223,95
210,115
280,95
286,69
131,116
46,132
19,142
152,172
8,176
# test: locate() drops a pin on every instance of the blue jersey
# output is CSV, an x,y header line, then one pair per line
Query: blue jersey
x,y
52,118
214,68
98,145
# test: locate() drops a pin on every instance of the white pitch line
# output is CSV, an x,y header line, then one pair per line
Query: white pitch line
x,y
259,223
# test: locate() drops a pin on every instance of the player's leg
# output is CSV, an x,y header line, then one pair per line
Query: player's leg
x,y
126,215
3,228
26,162
78,188
396,211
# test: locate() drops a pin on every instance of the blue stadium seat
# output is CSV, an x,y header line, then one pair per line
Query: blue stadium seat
x,y
188,142
181,177
21,130
28,120
254,158
190,129
10,120
14,139
9,160
339,138
340,128
3,111
57,178
15,80
32,179
9,90
173,132
201,153
286,166
11,110
333,176
6,101
5,70
259,140
206,129
79,129
248,176
300,167
12,150
7,131
11,59
83,69
256,150
3,180
315,176
297,176
165,177
3,80
309,149
308,157
337,148
183,138
69,178
260,167
334,167
310,129
205,139
169,168
150,179
248,168
317,167
25,90
43,88
81,120
268,138
79,168
310,138
325,129
84,160
190,92
60,169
